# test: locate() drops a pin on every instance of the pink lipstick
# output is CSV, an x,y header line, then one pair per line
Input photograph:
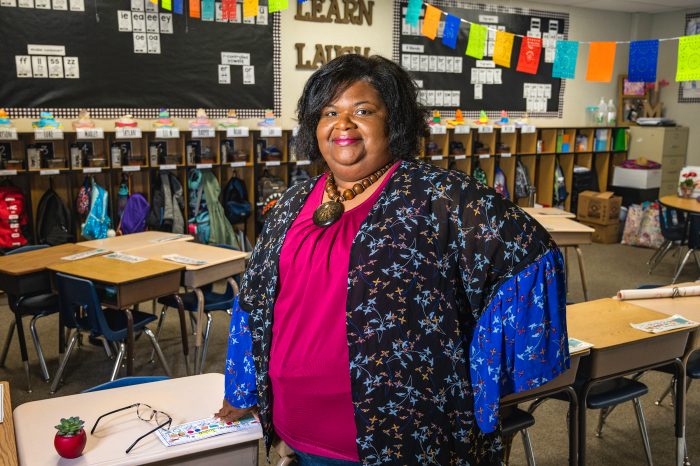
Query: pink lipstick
x,y
344,141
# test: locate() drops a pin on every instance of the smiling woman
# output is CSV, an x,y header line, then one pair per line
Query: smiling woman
x,y
392,303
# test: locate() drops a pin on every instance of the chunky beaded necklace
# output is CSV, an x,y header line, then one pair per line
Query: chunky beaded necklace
x,y
330,212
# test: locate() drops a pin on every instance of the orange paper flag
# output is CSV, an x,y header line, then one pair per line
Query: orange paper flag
x,y
503,49
601,60
430,21
195,9
250,8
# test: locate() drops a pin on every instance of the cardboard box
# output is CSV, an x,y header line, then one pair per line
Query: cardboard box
x,y
598,208
605,234
636,178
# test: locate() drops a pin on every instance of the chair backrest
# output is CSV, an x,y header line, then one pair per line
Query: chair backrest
x,y
694,235
670,230
75,293
125,382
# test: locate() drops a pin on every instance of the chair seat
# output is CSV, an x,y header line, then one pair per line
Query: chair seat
x,y
693,369
516,421
116,320
46,303
614,392
212,301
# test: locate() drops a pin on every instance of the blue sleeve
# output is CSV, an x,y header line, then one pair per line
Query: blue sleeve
x,y
520,341
240,389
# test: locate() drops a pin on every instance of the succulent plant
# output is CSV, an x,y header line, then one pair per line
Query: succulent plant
x,y
70,426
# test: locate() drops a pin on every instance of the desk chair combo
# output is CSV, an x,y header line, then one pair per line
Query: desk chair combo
x,y
81,311
674,228
36,306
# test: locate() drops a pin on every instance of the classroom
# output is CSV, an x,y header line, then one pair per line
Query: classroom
x,y
350,232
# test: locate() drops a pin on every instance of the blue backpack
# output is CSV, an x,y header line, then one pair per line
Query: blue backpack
x,y
237,207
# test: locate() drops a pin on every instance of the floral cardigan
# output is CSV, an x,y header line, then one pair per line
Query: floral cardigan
x,y
455,299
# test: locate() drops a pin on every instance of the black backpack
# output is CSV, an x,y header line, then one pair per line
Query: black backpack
x,y
235,201
270,189
54,224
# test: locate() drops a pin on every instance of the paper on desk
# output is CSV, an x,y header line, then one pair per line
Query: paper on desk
x,y
84,254
664,325
578,345
183,260
2,403
167,238
125,257
670,292
203,429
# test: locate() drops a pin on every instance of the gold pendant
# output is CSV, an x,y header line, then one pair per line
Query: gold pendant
x,y
328,213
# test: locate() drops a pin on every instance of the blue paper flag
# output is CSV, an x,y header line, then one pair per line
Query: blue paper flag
x,y
413,12
565,59
177,6
449,36
208,12
642,61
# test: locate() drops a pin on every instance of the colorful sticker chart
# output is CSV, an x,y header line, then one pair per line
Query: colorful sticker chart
x,y
203,429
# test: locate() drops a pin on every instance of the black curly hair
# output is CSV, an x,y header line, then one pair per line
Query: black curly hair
x,y
406,118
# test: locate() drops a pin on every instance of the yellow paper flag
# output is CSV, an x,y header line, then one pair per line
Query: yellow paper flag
x,y
503,49
278,5
154,1
167,5
477,41
430,21
250,8
688,58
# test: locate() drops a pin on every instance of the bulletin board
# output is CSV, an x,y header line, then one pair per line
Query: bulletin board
x,y
129,56
448,79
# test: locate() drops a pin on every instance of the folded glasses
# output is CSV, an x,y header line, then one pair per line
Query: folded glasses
x,y
145,413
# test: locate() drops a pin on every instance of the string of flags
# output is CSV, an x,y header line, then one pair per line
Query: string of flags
x,y
643,54
206,9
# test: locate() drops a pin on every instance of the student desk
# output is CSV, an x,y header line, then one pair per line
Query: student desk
x,y
8,449
133,284
220,264
184,399
25,273
568,233
548,212
681,203
135,240
618,350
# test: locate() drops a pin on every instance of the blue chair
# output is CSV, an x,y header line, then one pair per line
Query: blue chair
x,y
516,421
213,301
125,382
673,223
35,305
693,244
81,311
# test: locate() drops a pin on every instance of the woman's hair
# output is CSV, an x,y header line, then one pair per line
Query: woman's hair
x,y
406,118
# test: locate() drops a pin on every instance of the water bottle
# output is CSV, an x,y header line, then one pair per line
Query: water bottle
x,y
612,113
602,115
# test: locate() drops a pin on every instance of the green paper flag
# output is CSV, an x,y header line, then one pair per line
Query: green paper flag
x,y
278,5
477,41
167,5
688,58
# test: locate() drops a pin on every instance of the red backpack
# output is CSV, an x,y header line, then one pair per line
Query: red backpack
x,y
13,217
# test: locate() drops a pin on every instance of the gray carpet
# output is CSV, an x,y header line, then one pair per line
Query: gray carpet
x,y
609,267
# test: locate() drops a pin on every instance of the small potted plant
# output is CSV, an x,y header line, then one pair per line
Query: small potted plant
x,y
70,439
686,187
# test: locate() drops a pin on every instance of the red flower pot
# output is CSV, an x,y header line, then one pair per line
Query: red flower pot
x,y
70,447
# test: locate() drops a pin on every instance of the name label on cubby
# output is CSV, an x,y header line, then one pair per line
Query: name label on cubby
x,y
505,154
49,172
436,157
168,167
486,129
41,134
303,162
273,163
270,132
131,168
508,129
484,156
8,134
8,172
128,133
438,129
460,157
295,131
527,129
462,129
239,132
167,133
203,165
203,132
90,133
237,164
92,170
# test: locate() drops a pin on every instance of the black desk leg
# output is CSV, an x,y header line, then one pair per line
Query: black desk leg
x,y
582,397
22,343
573,426
183,331
679,406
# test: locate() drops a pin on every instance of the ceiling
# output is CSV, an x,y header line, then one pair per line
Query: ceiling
x,y
629,6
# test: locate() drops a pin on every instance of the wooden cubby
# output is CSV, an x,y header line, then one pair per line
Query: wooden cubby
x,y
165,151
12,155
602,168
87,153
46,154
530,164
262,143
549,141
201,150
127,152
544,179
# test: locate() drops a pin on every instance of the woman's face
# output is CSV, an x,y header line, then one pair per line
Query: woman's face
x,y
352,134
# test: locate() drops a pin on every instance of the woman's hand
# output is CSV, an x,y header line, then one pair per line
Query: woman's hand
x,y
230,413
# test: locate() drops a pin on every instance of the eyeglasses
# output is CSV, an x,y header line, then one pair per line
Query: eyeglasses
x,y
145,413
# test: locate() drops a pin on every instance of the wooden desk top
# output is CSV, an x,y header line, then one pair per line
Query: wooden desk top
x,y
682,203
8,448
548,212
688,307
37,261
605,323
184,399
211,254
134,240
559,224
115,272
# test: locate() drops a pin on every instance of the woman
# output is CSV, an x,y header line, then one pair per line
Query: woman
x,y
392,303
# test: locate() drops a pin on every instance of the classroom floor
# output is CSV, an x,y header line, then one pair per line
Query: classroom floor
x,y
609,267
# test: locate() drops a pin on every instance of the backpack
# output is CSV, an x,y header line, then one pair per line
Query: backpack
x,y
299,175
560,192
198,223
54,225
235,201
522,181
480,175
96,226
500,184
82,202
134,216
13,217
157,219
270,189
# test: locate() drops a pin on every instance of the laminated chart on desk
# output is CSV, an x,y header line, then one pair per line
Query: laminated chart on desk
x,y
449,79
205,428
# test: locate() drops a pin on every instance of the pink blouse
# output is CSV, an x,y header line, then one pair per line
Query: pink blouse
x,y
309,363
